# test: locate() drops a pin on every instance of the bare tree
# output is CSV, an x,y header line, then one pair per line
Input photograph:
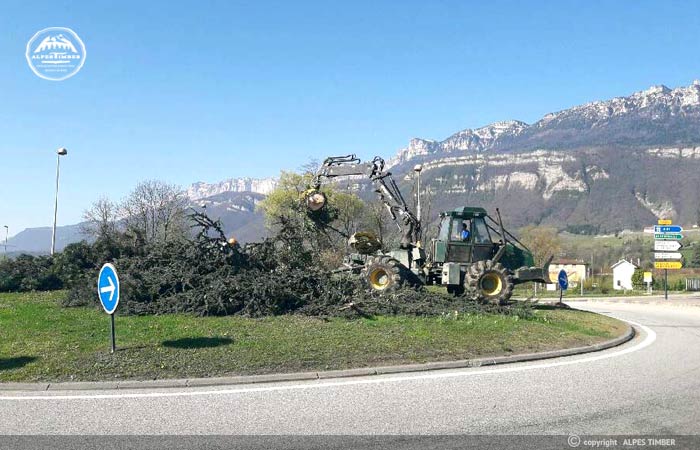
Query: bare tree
x,y
100,219
155,211
311,166
542,241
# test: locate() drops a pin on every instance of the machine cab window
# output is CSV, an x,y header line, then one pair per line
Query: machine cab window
x,y
480,232
444,231
461,230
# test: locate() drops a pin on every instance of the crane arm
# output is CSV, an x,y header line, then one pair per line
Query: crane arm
x,y
385,187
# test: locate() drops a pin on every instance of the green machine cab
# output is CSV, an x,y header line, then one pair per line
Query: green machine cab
x,y
486,261
473,254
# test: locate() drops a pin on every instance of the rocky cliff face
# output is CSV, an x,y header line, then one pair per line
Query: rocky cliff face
x,y
603,166
658,116
468,140
202,190
597,190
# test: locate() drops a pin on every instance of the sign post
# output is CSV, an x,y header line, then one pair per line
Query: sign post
x,y
563,280
666,246
108,292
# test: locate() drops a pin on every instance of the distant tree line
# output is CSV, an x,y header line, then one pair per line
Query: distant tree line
x,y
154,212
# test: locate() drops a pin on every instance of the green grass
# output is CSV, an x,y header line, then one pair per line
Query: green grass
x,y
40,341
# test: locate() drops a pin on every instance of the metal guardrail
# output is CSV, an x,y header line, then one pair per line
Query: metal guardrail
x,y
692,284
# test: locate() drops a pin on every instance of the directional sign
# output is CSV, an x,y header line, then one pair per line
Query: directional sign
x,y
108,288
670,255
563,280
665,222
668,229
668,265
668,236
667,246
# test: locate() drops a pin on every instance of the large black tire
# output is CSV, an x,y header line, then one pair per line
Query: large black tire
x,y
489,282
386,274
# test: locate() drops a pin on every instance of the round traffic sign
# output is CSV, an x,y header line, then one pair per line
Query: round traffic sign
x,y
563,280
108,288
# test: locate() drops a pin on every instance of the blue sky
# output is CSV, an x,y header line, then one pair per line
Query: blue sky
x,y
189,91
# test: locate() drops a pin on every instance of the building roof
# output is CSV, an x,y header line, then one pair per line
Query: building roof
x,y
623,261
575,262
466,212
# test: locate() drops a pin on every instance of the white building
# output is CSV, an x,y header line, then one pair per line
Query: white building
x,y
575,269
622,274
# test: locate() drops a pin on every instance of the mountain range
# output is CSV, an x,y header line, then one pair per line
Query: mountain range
x,y
600,167
595,168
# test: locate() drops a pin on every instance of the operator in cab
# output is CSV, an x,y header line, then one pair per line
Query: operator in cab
x,y
465,232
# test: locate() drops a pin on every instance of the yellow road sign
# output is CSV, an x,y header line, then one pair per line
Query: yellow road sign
x,y
647,277
665,222
668,265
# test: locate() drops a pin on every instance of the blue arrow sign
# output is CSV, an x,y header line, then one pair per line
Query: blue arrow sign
x,y
563,280
108,288
667,229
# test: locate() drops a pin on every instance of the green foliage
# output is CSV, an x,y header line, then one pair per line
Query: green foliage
x,y
638,279
585,229
695,261
325,232
73,262
28,273
286,215
75,266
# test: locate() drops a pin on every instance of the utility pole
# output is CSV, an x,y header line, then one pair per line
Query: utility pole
x,y
60,152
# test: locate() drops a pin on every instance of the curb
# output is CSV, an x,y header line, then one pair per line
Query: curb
x,y
271,378
676,302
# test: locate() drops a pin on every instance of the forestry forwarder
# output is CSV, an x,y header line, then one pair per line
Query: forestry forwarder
x,y
484,266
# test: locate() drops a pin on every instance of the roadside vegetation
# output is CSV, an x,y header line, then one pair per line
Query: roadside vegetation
x,y
177,260
42,341
173,260
197,303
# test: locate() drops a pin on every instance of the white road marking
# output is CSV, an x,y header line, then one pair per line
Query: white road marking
x,y
648,340
109,288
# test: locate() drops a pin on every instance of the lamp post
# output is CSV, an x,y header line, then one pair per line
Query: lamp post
x,y
417,169
60,152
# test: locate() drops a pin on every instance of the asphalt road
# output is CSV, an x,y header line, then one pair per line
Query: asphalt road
x,y
649,386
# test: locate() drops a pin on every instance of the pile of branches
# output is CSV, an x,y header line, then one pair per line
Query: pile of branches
x,y
208,275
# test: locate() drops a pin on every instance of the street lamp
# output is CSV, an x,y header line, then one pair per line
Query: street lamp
x,y
417,169
60,152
